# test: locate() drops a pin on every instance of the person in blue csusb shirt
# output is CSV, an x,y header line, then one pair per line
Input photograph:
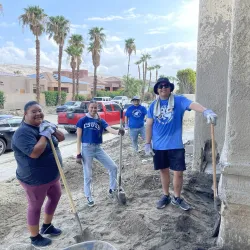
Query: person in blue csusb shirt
x,y
134,121
164,138
89,139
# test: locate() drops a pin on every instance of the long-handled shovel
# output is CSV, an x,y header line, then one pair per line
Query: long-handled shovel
x,y
85,235
121,194
216,198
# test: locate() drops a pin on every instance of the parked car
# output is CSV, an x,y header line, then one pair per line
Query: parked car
x,y
102,99
109,111
8,126
121,100
68,106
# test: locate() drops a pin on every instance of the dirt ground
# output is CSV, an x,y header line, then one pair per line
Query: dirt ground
x,y
135,226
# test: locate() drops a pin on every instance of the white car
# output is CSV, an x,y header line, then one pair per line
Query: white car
x,y
121,100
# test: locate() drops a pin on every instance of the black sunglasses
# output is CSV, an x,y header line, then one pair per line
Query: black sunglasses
x,y
164,85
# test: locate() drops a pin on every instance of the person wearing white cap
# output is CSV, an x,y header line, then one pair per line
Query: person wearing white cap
x,y
134,121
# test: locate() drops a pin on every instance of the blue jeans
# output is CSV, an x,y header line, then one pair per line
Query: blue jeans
x,y
134,133
89,152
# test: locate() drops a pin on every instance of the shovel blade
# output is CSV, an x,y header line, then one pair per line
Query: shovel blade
x,y
122,198
85,236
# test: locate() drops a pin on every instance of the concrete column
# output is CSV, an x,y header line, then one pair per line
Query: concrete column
x,y
212,71
235,182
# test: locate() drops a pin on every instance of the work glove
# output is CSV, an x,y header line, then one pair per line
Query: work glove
x,y
46,124
79,159
121,131
126,126
47,132
210,115
148,149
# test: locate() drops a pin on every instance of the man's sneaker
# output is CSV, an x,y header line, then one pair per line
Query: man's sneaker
x,y
112,193
91,203
40,241
50,229
163,202
180,203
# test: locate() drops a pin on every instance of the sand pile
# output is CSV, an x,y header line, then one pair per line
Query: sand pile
x,y
136,226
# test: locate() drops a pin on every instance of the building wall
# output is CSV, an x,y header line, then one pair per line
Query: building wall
x,y
212,71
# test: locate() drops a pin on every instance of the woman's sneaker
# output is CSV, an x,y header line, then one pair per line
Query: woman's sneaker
x,y
40,241
113,193
50,229
90,202
180,203
163,202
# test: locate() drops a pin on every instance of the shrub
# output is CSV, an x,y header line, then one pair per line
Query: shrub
x,y
2,99
80,98
111,94
51,97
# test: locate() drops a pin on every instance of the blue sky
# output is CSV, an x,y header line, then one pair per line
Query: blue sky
x,y
166,29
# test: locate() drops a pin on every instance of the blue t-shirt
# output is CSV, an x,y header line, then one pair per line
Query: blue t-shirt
x,y
32,171
167,128
92,129
136,115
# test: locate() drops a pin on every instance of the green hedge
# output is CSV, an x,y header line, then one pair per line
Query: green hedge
x,y
2,99
83,97
111,94
51,97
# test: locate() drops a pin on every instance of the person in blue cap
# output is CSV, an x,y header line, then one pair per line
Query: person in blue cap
x,y
164,138
134,121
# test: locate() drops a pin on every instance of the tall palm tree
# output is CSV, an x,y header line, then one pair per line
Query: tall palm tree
x,y
77,40
130,47
157,67
58,27
97,40
138,65
35,18
73,53
144,59
150,75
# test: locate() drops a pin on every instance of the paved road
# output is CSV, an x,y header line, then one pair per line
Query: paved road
x,y
67,148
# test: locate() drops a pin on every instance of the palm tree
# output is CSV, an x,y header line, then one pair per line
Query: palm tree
x,y
144,59
97,40
150,75
77,40
58,27
73,53
35,18
157,67
139,71
130,47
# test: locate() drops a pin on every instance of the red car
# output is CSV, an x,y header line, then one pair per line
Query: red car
x,y
109,111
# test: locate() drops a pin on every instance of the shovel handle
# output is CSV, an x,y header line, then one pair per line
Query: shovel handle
x,y
63,177
214,161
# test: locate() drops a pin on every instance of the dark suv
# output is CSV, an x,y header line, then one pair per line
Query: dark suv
x,y
8,126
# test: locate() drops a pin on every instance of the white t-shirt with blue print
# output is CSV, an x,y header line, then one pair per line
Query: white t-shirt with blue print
x,y
167,128
136,115
92,129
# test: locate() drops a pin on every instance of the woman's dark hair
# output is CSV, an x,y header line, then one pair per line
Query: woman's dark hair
x,y
27,106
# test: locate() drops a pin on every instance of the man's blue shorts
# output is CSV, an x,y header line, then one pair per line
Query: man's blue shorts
x,y
172,158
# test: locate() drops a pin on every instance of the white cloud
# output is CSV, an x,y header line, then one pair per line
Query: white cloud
x,y
113,38
188,15
79,26
129,10
130,14
157,30
107,18
7,25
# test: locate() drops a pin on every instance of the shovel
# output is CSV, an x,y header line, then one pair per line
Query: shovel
x,y
84,235
121,196
216,228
